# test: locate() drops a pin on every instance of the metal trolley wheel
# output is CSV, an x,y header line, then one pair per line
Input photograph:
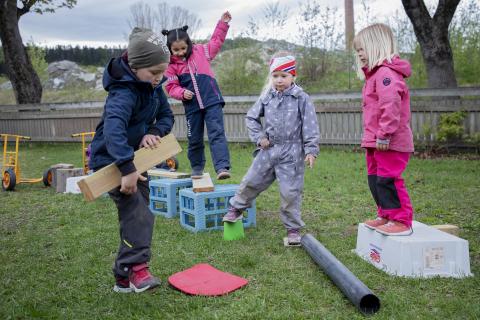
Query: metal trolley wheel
x,y
172,163
48,177
9,180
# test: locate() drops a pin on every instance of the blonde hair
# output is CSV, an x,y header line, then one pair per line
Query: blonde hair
x,y
378,43
269,83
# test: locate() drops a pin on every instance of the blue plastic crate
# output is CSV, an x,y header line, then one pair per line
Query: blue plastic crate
x,y
203,211
164,196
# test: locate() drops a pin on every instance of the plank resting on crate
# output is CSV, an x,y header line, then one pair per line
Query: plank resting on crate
x,y
448,228
109,177
168,174
204,184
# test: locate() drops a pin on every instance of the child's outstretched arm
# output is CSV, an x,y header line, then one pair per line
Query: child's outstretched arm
x,y
310,129
254,125
218,37
389,86
173,87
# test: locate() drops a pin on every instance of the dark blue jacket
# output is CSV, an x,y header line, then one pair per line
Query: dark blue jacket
x,y
133,108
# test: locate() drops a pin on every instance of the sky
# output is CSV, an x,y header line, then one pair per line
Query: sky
x,y
104,22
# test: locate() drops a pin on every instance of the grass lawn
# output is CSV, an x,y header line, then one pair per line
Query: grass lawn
x,y
57,249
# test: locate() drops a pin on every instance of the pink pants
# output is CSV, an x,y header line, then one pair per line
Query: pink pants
x,y
385,169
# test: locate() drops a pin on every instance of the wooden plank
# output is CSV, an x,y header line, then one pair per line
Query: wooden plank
x,y
448,228
168,174
203,184
109,177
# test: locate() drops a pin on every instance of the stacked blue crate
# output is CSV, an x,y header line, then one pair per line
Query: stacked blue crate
x,y
203,211
164,195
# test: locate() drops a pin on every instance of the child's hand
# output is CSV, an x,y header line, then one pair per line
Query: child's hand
x,y
382,146
264,143
150,141
310,160
129,182
187,95
226,17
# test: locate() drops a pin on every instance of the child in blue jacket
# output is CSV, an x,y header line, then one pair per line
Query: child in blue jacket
x,y
136,115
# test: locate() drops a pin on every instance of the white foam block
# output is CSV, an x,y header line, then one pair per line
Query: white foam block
x,y
426,253
72,186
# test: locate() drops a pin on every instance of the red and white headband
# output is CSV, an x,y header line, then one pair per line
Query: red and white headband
x,y
286,64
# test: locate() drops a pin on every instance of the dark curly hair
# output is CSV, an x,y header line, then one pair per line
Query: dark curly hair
x,y
179,34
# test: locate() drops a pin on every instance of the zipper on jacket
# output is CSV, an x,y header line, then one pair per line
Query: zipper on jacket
x,y
195,86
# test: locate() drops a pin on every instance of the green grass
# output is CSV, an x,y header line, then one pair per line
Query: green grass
x,y
57,249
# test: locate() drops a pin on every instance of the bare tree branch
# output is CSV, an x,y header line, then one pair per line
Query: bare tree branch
x,y
165,17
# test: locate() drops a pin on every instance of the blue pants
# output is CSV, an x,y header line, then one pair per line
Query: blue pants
x,y
212,117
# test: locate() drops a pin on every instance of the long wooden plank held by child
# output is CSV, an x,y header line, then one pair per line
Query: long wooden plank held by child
x,y
109,177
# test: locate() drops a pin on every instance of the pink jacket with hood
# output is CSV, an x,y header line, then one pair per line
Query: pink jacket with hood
x,y
196,74
386,106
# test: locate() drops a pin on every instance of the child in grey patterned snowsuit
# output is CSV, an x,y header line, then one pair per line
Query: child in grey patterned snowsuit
x,y
288,137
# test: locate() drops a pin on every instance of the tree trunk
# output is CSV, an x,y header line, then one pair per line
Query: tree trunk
x,y
432,34
25,81
438,59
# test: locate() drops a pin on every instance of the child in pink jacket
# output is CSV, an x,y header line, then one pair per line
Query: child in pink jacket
x,y
387,136
191,80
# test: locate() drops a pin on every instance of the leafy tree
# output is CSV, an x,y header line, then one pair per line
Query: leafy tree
x,y
269,25
319,33
25,81
465,42
37,57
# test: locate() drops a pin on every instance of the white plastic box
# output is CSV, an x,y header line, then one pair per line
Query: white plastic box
x,y
72,186
426,253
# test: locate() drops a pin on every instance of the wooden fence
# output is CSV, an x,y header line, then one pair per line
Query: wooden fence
x,y
339,116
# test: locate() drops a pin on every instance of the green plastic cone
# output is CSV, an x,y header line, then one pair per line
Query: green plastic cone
x,y
233,230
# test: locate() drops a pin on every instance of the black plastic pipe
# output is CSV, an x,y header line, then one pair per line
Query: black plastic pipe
x,y
354,289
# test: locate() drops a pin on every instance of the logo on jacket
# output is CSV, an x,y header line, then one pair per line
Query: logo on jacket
x,y
386,81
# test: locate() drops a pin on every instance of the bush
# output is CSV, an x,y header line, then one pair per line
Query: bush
x,y
451,127
37,58
240,72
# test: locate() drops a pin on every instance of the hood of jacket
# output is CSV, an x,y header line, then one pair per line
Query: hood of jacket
x,y
399,65
118,72
293,90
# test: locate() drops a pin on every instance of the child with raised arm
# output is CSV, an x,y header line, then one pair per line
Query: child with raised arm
x,y
136,115
191,80
288,137
387,136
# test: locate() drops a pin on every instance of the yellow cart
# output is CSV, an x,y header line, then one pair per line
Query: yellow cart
x,y
11,173
84,148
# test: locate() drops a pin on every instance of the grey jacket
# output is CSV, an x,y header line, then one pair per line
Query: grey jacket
x,y
289,117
